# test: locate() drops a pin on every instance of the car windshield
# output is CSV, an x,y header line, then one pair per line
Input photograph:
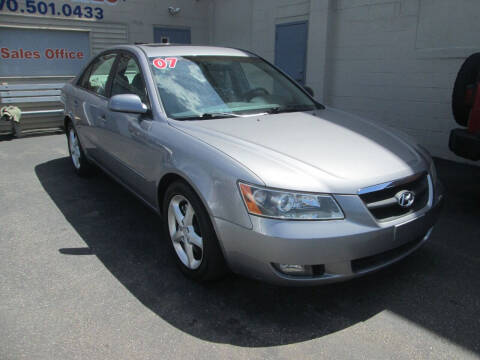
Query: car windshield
x,y
205,87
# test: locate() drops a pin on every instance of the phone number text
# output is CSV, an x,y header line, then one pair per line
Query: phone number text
x,y
50,8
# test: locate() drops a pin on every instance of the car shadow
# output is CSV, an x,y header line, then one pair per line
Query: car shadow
x,y
436,288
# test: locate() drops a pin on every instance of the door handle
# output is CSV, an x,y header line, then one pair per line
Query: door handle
x,y
103,117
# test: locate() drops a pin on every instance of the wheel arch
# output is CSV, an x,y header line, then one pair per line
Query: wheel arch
x,y
166,180
170,177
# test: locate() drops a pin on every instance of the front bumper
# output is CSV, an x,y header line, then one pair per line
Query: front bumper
x,y
344,249
465,144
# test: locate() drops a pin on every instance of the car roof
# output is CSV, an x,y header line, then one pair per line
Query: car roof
x,y
157,49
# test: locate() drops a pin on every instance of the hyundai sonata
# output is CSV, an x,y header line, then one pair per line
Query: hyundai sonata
x,y
249,172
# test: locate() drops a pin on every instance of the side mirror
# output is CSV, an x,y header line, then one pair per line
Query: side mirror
x,y
128,103
309,90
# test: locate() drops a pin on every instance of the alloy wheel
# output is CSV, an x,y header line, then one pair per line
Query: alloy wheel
x,y
74,148
185,232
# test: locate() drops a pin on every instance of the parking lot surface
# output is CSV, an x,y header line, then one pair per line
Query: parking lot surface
x,y
86,274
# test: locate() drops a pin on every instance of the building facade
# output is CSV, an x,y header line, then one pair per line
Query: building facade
x,y
394,61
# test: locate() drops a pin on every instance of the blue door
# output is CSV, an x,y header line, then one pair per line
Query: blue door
x,y
169,35
291,49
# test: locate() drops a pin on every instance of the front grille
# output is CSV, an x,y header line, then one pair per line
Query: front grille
x,y
383,204
370,262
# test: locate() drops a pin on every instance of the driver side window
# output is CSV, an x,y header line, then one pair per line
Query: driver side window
x,y
257,78
98,74
261,77
128,78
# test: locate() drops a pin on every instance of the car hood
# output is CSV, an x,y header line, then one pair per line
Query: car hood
x,y
321,151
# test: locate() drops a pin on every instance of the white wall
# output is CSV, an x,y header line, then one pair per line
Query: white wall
x,y
231,23
127,22
142,15
250,24
139,16
396,62
391,60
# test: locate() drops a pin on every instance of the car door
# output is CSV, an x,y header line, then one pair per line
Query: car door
x,y
126,133
91,104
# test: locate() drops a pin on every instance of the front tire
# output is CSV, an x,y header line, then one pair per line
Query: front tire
x,y
80,163
191,234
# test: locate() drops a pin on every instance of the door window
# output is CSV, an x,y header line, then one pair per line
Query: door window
x,y
98,74
128,78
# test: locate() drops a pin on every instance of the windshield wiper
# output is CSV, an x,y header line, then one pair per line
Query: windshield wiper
x,y
290,108
216,115
206,116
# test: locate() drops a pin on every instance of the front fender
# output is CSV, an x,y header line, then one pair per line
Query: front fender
x,y
212,174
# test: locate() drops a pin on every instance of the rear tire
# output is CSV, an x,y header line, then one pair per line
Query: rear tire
x,y
80,163
191,234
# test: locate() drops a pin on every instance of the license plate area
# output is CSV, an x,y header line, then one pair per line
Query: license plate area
x,y
413,229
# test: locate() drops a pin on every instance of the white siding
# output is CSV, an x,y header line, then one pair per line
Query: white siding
x,y
396,62
250,24
102,35
391,60
127,22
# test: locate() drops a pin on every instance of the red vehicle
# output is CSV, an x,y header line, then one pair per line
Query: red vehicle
x,y
465,142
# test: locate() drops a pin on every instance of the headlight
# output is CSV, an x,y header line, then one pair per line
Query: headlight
x,y
289,205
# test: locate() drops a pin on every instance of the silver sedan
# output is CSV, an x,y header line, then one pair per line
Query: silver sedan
x,y
249,172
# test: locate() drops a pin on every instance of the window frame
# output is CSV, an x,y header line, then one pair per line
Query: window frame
x,y
89,70
114,72
84,74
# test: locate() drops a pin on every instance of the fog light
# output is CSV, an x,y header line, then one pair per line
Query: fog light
x,y
294,270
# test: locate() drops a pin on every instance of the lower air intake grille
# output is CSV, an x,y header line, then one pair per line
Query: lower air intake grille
x,y
370,262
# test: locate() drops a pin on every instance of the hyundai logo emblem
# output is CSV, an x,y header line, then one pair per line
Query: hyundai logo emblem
x,y
405,198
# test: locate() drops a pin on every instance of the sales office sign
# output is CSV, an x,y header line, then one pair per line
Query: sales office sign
x,y
34,52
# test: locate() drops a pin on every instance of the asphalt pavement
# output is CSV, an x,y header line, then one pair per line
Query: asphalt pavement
x,y
85,273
